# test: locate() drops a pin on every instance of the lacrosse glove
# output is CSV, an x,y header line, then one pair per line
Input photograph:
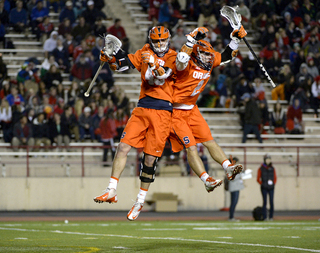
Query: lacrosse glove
x,y
238,34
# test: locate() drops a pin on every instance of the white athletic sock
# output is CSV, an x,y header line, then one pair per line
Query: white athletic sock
x,y
113,183
204,176
225,164
142,195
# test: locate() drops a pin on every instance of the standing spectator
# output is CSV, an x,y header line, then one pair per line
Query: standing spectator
x,y
22,134
70,119
41,131
50,44
92,13
67,12
267,178
252,118
59,132
18,17
6,120
37,15
85,124
295,125
207,13
108,132
234,187
80,31
53,96
117,30
278,119
82,70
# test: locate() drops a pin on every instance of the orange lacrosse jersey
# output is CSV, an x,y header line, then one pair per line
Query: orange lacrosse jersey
x,y
191,81
163,92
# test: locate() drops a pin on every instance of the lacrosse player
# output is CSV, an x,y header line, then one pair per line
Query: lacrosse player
x,y
194,64
150,123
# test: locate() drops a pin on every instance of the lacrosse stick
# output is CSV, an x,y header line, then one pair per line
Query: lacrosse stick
x,y
235,21
111,47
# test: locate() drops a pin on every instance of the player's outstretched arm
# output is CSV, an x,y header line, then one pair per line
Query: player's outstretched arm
x,y
121,64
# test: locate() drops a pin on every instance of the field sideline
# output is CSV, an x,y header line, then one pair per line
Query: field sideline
x,y
160,236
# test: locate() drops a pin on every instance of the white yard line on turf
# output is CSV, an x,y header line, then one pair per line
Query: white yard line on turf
x,y
162,238
161,229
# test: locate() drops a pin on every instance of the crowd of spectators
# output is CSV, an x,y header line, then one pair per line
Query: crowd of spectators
x,y
36,110
289,38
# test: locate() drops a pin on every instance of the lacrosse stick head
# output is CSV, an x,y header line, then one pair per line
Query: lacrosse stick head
x,y
232,16
111,45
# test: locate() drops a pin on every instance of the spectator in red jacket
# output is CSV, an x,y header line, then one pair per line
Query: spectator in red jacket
x,y
108,132
267,178
81,70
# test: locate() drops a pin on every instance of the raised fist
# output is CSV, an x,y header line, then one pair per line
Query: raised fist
x,y
199,33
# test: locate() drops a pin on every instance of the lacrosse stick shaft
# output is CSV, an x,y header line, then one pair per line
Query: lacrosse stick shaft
x,y
87,93
260,64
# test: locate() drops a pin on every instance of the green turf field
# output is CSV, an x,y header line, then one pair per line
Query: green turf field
x,y
160,236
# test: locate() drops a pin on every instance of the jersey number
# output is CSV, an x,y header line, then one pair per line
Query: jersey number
x,y
197,89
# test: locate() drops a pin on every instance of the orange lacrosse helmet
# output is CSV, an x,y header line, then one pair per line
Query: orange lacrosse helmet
x,y
159,40
203,54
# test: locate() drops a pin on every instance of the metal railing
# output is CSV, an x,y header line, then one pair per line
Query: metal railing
x,y
247,151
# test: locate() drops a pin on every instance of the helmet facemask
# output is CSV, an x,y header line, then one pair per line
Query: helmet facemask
x,y
203,55
160,46
159,40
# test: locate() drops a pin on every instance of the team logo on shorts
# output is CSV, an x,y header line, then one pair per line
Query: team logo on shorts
x,y
186,140
123,134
